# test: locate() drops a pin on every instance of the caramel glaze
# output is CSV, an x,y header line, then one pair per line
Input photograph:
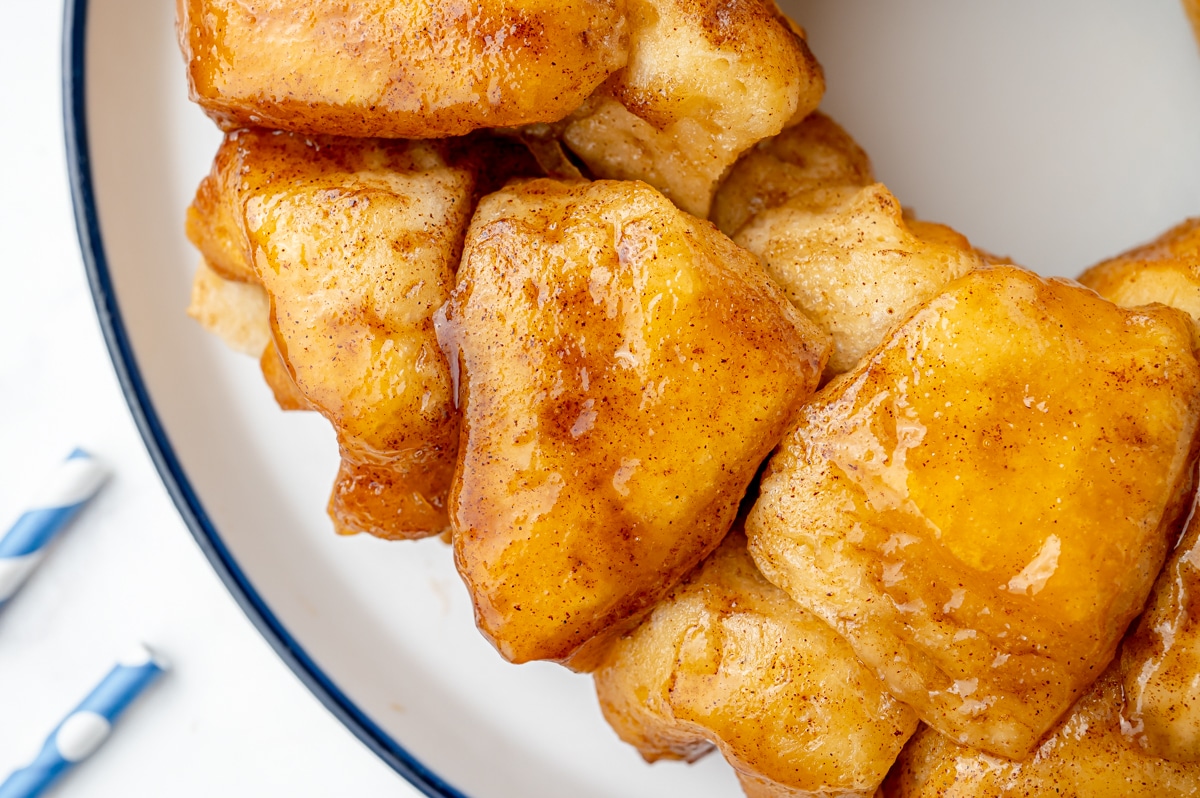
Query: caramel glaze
x,y
1160,661
1088,755
279,379
624,368
982,505
356,242
423,69
1134,732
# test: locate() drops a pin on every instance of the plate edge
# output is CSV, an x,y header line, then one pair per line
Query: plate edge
x,y
158,446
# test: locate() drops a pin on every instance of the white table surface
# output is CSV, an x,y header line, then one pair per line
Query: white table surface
x,y
230,718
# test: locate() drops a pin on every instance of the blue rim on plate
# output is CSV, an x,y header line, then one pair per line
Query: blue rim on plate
x,y
159,446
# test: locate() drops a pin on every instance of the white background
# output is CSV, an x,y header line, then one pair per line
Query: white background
x,y
230,719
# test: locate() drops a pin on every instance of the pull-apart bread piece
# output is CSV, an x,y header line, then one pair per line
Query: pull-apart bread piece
x,y
706,80
728,658
665,91
623,370
837,242
815,162
355,243
1089,755
1160,662
1192,7
237,312
982,505
1167,270
1135,732
424,69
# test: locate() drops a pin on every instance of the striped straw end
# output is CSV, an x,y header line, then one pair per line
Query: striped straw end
x,y
62,496
132,674
142,656
74,482
88,725
14,571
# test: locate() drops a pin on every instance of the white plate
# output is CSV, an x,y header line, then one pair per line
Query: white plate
x,y
1058,134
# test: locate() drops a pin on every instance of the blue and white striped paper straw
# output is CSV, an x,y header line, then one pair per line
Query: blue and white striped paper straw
x,y
60,498
88,725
